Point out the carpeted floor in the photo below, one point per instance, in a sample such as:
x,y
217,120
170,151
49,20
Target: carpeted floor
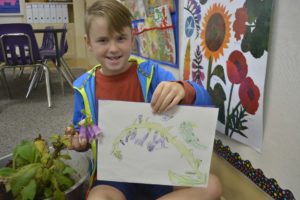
x,y
22,118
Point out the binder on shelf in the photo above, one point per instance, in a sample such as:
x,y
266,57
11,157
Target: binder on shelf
x,y
41,13
47,13
29,18
53,18
35,13
59,13
65,13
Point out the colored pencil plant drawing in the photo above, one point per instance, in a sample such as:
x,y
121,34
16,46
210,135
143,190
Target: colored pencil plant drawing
x,y
135,139
225,50
159,137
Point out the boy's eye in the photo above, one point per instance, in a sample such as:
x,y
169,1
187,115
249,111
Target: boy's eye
x,y
102,40
121,38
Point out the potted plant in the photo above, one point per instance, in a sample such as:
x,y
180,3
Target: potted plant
x,y
34,171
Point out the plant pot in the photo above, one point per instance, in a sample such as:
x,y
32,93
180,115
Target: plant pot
x,y
80,162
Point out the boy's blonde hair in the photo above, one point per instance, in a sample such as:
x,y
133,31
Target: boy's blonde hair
x,y
117,15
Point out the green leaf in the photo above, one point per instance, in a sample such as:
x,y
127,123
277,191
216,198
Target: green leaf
x,y
7,171
257,45
54,137
58,195
254,7
22,177
69,170
64,182
59,165
29,191
246,42
46,175
24,153
219,72
66,142
48,192
65,156
218,95
241,133
221,115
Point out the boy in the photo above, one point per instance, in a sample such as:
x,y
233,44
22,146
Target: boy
x,y
122,77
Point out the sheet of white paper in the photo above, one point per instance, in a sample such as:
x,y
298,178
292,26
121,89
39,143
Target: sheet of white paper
x,y
173,148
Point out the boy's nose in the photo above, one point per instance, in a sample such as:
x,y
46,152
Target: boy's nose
x,y
113,46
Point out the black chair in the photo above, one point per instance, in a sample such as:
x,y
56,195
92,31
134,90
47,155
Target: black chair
x,y
19,48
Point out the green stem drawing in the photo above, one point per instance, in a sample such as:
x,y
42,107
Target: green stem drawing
x,y
184,151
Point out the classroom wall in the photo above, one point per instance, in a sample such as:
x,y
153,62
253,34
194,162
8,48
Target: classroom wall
x,y
279,158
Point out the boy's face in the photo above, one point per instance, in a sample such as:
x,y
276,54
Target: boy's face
x,y
111,50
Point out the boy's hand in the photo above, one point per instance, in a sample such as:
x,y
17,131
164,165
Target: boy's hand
x,y
76,143
166,96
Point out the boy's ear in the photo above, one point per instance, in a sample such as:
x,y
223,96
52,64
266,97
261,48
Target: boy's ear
x,y
87,42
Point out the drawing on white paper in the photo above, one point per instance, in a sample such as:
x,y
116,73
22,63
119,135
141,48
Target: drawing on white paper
x,y
156,138
173,148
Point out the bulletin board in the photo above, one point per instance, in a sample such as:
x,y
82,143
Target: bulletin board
x,y
11,8
155,26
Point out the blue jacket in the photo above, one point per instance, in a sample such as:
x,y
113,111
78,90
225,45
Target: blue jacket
x,y
150,74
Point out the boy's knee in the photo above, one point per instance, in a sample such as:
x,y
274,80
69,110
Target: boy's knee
x,y
105,192
214,187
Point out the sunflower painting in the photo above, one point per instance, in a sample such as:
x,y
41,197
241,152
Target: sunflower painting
x,y
225,49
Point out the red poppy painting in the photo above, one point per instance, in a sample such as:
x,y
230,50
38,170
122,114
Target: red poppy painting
x,y
249,95
225,49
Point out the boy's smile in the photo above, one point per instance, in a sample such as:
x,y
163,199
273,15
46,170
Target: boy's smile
x,y
111,50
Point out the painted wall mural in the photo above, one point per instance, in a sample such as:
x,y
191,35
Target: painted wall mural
x,y
225,49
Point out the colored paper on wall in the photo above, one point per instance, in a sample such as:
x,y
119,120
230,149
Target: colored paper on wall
x,y
225,49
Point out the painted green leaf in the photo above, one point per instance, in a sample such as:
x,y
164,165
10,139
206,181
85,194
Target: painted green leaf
x,y
219,72
218,97
218,94
256,37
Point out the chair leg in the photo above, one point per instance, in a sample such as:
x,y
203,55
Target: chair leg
x,y
40,73
48,89
67,68
65,75
4,81
32,82
31,74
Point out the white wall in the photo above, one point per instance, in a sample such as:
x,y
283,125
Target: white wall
x,y
280,157
11,19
